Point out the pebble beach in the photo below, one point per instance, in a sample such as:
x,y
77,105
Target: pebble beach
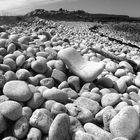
x,y
54,87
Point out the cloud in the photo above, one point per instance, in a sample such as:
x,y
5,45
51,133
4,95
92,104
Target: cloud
x,y
21,6
11,4
8,4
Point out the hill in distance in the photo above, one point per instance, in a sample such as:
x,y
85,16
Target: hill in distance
x,y
78,15
65,15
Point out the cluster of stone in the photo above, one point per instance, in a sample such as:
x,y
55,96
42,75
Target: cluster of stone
x,y
52,87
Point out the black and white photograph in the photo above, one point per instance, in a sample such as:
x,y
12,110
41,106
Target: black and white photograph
x,y
69,69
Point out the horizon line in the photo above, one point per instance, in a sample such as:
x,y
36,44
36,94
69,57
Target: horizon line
x,y
10,13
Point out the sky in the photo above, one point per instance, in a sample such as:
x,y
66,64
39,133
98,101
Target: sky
x,y
121,7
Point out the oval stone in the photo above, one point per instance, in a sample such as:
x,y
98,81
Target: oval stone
x,y
87,103
111,66
56,95
110,99
17,90
11,110
20,128
41,119
125,123
59,129
97,132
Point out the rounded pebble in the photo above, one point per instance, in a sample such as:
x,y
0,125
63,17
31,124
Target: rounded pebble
x,y
17,90
110,99
87,103
125,123
39,66
41,119
55,94
20,128
59,129
111,66
11,110
97,131
34,133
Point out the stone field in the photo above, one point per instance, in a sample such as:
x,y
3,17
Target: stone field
x,y
54,87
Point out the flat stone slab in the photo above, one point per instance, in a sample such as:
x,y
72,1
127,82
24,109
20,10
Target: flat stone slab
x,y
86,70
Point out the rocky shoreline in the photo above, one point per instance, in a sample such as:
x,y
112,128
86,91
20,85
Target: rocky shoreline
x,y
53,87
